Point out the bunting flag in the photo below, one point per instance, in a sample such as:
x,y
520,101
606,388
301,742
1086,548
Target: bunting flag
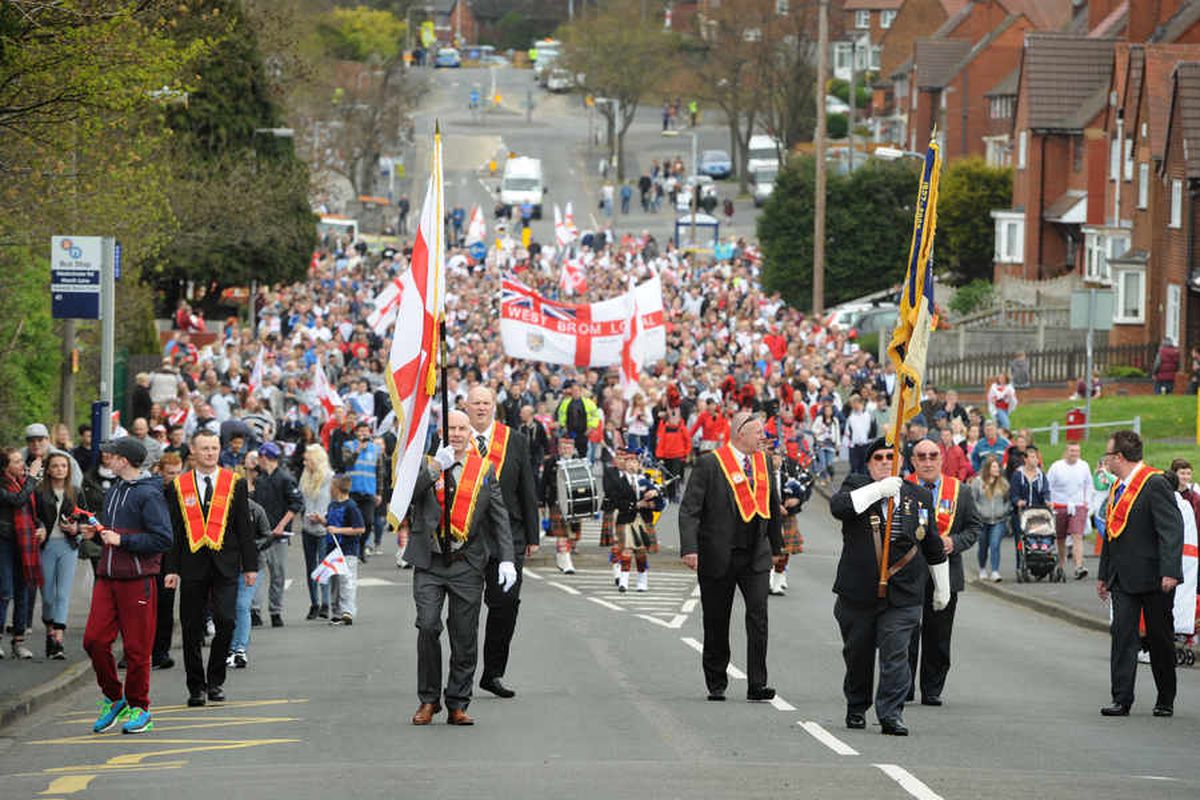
x,y
256,376
572,279
325,394
412,362
476,227
916,320
631,346
384,308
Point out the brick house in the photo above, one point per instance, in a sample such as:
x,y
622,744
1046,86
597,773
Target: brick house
x,y
916,19
1178,189
860,48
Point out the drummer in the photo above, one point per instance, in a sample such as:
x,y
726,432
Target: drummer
x,y
634,498
566,533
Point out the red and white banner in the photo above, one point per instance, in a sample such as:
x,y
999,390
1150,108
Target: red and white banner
x,y
256,375
569,223
476,227
412,362
384,308
590,334
325,394
631,346
572,279
563,231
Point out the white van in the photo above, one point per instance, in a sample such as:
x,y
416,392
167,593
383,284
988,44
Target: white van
x,y
762,153
522,183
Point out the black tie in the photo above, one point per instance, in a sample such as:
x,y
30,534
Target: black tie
x,y
482,443
207,493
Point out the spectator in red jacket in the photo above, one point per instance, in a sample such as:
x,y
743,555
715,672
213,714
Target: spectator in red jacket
x,y
713,427
1166,364
673,445
954,458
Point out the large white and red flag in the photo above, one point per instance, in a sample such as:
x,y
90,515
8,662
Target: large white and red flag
x,y
384,308
476,227
563,233
572,279
631,346
256,375
324,393
412,363
588,334
569,222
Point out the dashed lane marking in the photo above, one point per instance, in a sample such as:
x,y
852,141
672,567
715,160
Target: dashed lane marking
x,y
675,624
370,582
781,705
909,782
530,573
564,587
601,602
828,739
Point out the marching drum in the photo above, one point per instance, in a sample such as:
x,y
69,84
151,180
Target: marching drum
x,y
577,494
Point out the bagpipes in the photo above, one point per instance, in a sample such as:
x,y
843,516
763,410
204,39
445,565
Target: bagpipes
x,y
797,484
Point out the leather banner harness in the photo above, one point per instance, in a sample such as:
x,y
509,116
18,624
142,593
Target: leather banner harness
x,y
750,502
205,530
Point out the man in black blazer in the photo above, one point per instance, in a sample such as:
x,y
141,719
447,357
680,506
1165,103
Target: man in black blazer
x,y
733,544
515,472
1141,563
206,558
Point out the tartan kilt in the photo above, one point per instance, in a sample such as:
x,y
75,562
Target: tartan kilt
x,y
607,526
646,538
560,528
793,542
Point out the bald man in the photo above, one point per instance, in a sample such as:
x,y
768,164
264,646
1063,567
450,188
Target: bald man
x,y
508,453
730,532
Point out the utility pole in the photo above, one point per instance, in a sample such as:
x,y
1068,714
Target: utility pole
x,y
853,102
818,289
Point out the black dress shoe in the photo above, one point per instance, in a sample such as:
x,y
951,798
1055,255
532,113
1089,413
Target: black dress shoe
x,y
716,695
1164,711
760,693
497,688
1115,710
216,694
312,613
196,699
165,662
855,721
931,700
894,727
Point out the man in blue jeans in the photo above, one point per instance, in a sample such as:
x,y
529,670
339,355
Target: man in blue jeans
x,y
260,525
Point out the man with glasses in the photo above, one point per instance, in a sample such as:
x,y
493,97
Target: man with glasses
x,y
869,622
1141,563
958,527
730,532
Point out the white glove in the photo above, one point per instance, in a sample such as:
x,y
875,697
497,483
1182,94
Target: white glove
x,y
866,496
507,575
941,584
444,457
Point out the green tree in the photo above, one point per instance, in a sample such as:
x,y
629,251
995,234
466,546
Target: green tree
x,y
868,230
969,190
357,34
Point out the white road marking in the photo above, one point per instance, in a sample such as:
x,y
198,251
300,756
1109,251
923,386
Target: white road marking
x,y
287,584
692,643
735,673
368,582
696,592
530,573
689,606
909,782
606,604
564,587
826,738
1156,778
781,705
675,624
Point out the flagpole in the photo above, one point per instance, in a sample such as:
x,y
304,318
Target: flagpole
x,y
443,355
887,531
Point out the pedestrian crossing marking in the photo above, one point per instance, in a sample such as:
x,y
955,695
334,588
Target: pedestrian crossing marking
x,y
606,604
371,582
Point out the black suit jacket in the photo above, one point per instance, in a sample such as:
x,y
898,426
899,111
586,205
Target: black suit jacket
x,y
1151,546
964,533
708,517
237,554
857,579
519,490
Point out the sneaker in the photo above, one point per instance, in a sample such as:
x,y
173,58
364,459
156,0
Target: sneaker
x,y
1081,573
229,660
111,712
239,659
20,650
3,655
1143,656
60,652
996,577
400,562
368,550
137,721
347,619
774,586
983,574
323,611
336,621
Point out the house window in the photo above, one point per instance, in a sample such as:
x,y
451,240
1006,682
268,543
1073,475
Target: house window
x,y
1174,302
1131,300
862,19
1022,145
1143,197
886,18
1010,237
843,57
1099,249
782,8
1001,107
1129,159
998,150
876,57
1176,203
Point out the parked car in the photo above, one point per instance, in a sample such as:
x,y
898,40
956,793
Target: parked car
x,y
707,198
715,164
447,57
763,184
835,105
877,319
560,80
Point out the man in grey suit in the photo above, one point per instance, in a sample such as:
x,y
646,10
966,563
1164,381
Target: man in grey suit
x,y
452,563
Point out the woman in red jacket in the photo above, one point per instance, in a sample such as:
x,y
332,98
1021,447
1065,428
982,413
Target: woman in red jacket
x,y
673,444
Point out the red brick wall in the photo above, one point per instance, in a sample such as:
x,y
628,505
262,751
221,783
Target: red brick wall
x,y
987,70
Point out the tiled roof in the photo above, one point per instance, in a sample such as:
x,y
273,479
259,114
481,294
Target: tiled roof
x,y
1185,110
1112,25
1007,86
871,5
951,24
1061,209
1176,26
1046,15
936,60
952,7
902,70
1062,77
1160,61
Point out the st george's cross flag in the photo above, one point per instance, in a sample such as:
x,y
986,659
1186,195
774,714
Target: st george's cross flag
x,y
917,317
476,227
631,346
334,563
569,222
412,362
325,394
572,279
384,308
257,374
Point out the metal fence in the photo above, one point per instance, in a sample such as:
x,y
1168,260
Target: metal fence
x,y
1054,428
1045,366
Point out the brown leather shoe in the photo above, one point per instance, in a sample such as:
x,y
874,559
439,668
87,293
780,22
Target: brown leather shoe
x,y
459,717
425,713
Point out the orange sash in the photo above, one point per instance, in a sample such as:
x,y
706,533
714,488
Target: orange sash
x,y
1117,514
474,473
748,502
497,447
945,504
205,531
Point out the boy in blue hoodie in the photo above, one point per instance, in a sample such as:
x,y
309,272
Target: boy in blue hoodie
x,y
135,530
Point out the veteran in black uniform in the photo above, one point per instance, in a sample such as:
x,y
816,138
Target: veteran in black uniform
x,y
868,622
1141,563
958,525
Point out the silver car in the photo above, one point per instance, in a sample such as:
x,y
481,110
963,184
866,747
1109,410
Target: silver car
x,y
764,184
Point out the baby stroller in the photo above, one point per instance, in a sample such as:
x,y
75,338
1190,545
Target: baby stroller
x,y
1037,551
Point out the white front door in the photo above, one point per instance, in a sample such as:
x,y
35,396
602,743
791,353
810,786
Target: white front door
x,y
1174,301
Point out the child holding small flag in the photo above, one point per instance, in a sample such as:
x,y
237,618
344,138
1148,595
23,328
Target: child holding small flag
x,y
344,523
